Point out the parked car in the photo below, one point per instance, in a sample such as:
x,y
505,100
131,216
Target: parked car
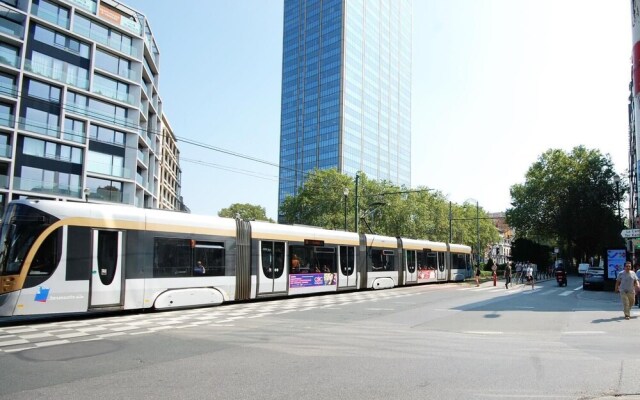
x,y
593,278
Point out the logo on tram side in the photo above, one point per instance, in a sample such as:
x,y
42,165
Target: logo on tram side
x,y
42,295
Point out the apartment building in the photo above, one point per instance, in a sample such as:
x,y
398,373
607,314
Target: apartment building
x,y
81,117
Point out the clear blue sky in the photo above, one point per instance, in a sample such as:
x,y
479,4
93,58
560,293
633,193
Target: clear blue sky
x,y
495,84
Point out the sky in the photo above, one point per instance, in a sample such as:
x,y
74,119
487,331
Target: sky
x,y
495,84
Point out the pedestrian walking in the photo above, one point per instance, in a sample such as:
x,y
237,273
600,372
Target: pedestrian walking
x,y
626,284
507,275
530,278
477,275
518,272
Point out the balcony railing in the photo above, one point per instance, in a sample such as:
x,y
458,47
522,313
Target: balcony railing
x,y
7,120
87,112
8,89
5,150
105,40
4,182
89,5
47,15
108,169
38,127
75,136
9,27
112,196
54,188
57,74
8,58
111,93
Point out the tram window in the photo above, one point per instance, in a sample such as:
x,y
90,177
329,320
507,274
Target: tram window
x,y
272,254
172,257
298,260
211,255
325,260
347,260
458,261
46,259
431,260
107,256
382,260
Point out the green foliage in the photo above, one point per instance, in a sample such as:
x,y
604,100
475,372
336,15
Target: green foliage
x,y
569,199
245,211
385,209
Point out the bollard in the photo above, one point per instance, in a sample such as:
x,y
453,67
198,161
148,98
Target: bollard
x,y
495,279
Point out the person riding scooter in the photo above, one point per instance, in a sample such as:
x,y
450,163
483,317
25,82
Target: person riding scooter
x,y
561,276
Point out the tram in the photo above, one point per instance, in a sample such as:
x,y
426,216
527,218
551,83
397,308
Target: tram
x,y
63,257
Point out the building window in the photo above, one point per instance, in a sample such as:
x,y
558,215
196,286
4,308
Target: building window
x,y
113,64
102,134
74,130
104,189
107,164
56,39
111,88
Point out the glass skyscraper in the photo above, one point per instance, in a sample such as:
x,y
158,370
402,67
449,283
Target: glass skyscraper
x,y
346,90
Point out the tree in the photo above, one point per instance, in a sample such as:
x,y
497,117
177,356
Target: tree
x,y
245,211
384,209
569,199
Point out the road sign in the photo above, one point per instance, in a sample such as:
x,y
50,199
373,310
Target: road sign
x,y
630,233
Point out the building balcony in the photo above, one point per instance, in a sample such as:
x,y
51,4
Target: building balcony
x,y
8,58
9,90
75,136
113,94
51,188
48,16
5,151
38,127
7,120
109,194
108,169
56,74
9,27
105,40
126,123
89,5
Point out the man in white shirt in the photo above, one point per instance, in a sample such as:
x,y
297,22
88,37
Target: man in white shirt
x,y
530,275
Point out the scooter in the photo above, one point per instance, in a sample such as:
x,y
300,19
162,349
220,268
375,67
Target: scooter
x,y
561,277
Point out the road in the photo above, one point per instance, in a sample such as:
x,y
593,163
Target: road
x,y
447,341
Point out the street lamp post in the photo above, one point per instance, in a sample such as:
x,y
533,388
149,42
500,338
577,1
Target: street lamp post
x,y
478,230
346,193
616,179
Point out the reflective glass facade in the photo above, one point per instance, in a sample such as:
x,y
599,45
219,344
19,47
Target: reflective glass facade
x,y
346,90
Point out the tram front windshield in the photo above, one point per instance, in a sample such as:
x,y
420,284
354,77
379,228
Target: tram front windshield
x,y
21,225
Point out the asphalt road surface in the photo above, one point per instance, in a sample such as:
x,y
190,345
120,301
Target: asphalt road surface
x,y
452,341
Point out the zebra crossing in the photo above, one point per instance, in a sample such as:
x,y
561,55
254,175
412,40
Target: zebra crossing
x,y
16,338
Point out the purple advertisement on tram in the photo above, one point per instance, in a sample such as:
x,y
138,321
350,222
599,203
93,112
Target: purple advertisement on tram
x,y
309,280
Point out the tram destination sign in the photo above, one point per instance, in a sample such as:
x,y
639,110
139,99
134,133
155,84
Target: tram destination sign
x,y
630,233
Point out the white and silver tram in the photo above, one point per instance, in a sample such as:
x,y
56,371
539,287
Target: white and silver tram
x,y
62,257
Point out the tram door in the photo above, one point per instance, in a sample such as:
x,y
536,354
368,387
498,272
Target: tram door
x,y
442,268
106,269
410,260
272,277
347,276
